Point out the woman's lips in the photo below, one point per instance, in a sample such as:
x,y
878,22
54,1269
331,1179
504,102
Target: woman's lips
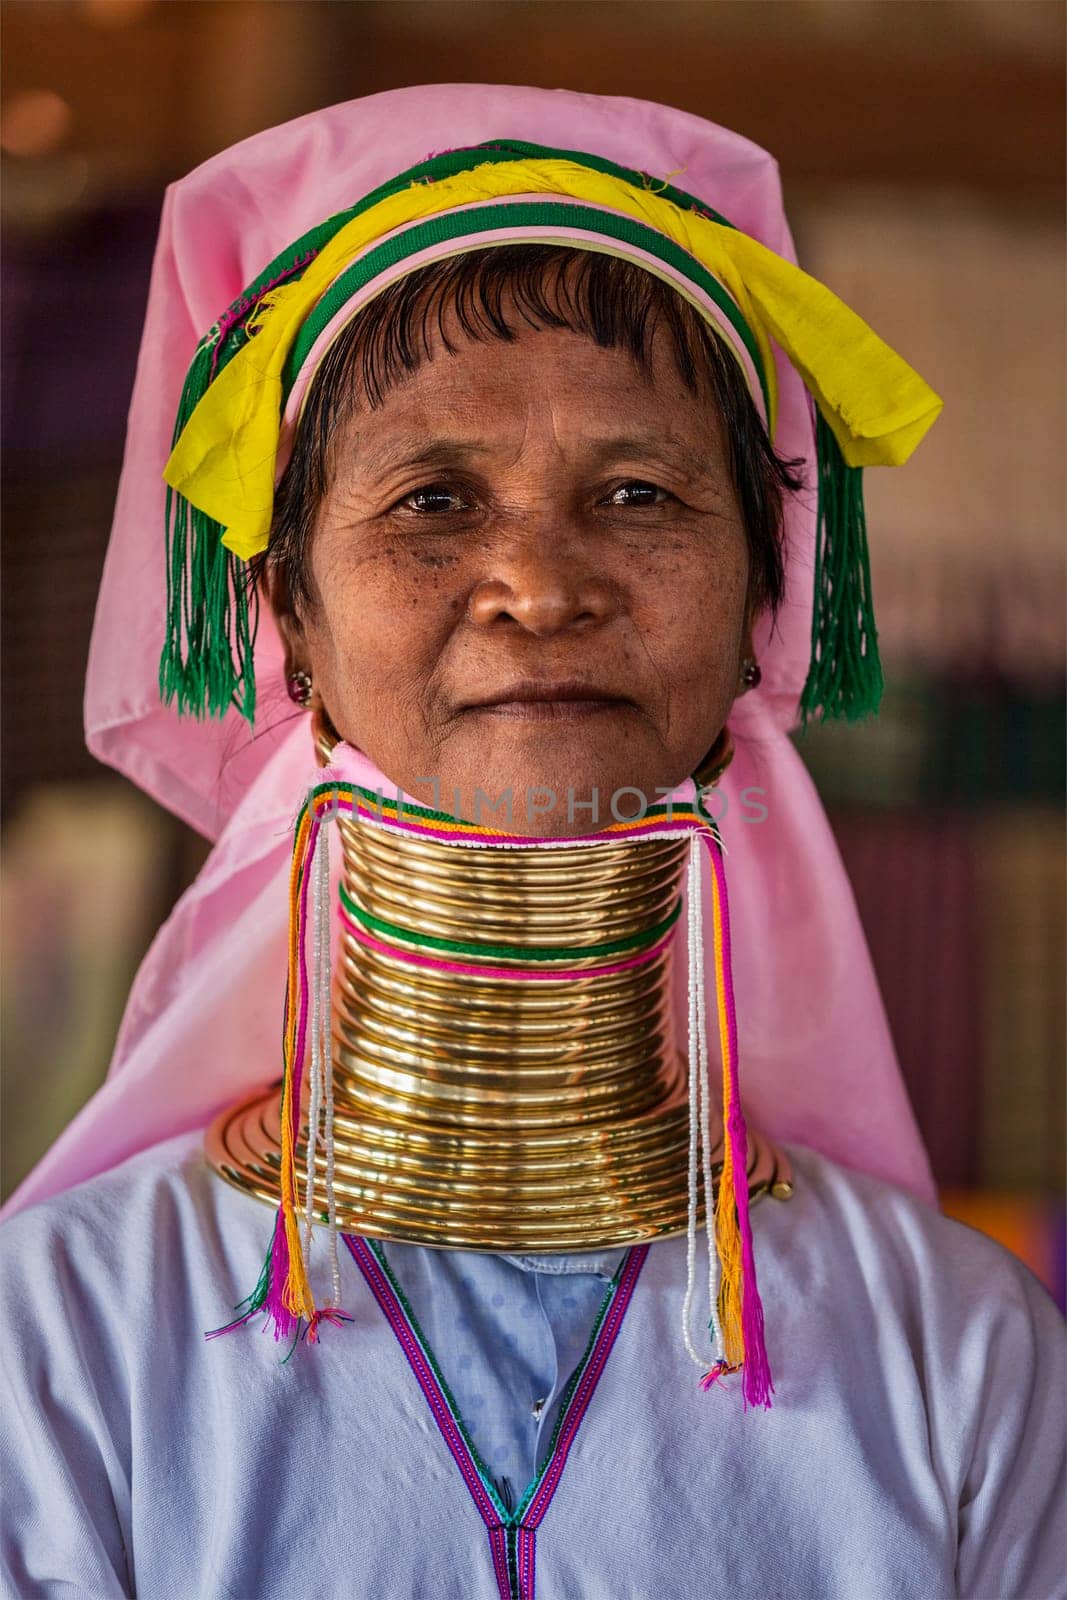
x,y
550,702
548,710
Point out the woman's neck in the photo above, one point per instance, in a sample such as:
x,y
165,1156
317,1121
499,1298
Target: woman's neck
x,y
504,1017
505,1071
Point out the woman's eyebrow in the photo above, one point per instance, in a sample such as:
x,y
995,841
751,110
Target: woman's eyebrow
x,y
427,453
442,451
664,447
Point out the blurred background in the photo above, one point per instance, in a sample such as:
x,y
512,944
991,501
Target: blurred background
x,y
922,151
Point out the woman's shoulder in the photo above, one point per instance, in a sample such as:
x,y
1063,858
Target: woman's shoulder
x,y
166,1172
941,1351
120,1231
912,1261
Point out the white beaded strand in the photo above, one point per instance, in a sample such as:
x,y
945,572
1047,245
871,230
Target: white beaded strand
x,y
699,1117
694,958
326,1053
315,1100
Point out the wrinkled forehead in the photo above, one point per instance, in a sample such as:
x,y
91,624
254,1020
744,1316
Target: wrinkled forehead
x,y
489,345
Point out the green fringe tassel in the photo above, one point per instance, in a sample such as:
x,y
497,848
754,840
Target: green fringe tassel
x,y
207,664
845,676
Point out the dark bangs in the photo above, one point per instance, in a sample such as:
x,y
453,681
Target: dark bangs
x,y
610,301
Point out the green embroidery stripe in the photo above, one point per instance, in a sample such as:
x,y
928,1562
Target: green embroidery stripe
x,y
508,952
521,214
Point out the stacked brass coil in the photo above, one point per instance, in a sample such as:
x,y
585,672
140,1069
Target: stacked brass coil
x,y
485,1112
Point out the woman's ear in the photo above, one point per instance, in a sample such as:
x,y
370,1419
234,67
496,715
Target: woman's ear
x,y
752,614
749,674
274,587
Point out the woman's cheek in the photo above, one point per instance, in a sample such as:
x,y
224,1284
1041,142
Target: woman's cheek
x,y
695,609
705,641
363,607
391,637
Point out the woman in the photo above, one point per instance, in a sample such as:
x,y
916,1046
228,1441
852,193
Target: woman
x,y
514,439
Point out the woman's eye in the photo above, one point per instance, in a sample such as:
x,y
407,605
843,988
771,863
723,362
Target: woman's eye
x,y
639,487
433,499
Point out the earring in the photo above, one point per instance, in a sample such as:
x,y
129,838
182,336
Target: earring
x,y
751,675
299,687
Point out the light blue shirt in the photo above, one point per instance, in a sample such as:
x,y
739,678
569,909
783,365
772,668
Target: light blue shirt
x,y
508,1332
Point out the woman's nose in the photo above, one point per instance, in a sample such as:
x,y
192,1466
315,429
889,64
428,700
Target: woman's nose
x,y
544,584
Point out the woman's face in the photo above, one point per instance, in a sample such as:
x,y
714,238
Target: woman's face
x,y
529,576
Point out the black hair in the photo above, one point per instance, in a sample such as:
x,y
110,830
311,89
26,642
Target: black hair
x,y
610,300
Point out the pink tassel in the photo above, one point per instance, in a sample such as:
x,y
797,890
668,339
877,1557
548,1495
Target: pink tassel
x,y
331,1314
721,1369
285,1321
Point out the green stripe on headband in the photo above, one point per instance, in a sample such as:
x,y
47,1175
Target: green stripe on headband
x,y
509,149
227,336
518,214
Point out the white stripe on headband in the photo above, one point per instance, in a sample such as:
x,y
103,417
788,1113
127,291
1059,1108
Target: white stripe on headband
x,y
586,238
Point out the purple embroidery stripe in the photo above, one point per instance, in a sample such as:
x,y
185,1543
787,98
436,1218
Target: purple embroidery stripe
x,y
526,1531
383,1292
586,1388
526,1550
498,1543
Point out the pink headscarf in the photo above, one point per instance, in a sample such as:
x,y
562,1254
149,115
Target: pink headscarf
x,y
818,1064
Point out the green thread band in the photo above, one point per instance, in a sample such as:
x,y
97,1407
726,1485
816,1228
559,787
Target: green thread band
x,y
508,952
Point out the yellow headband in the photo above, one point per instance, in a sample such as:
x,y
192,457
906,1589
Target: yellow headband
x,y
878,408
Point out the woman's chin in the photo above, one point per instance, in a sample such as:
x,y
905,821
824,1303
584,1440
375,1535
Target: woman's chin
x,y
552,779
